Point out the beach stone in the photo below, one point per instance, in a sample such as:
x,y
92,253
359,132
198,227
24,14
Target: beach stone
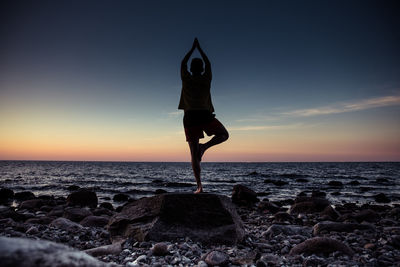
x,y
33,230
317,193
314,261
206,218
160,249
283,217
366,215
308,205
267,206
6,194
216,258
243,195
395,241
341,227
382,198
275,182
286,230
269,260
40,253
321,245
8,212
24,195
40,220
114,249
82,197
121,197
107,205
330,212
369,246
355,182
100,211
73,188
31,204
160,191
65,224
335,184
57,211
76,214
96,221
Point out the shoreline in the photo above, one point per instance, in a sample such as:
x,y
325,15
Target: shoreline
x,y
272,232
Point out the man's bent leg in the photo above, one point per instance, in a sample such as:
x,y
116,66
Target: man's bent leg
x,y
194,151
220,136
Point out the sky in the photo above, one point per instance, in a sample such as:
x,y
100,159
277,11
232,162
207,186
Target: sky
x,y
292,80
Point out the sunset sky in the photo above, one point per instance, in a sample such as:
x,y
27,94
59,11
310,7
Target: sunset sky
x,y
292,80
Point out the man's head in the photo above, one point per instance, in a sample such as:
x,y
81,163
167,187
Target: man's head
x,y
196,67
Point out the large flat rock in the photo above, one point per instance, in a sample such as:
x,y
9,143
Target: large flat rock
x,y
207,218
23,252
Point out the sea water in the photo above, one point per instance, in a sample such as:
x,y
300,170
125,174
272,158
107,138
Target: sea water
x,y
139,179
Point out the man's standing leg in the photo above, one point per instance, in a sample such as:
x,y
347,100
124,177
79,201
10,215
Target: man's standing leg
x,y
195,155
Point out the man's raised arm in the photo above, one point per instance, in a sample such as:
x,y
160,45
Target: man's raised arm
x,y
207,67
185,60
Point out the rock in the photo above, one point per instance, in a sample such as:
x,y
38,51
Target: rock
x,y
76,214
6,194
31,204
40,220
25,195
275,182
202,264
369,246
160,191
382,198
82,198
355,182
321,245
308,205
73,188
95,221
268,206
243,195
8,212
395,241
114,249
317,193
207,218
335,184
65,224
341,227
367,215
314,261
34,253
269,260
33,230
330,212
107,205
160,249
215,258
283,217
277,229
121,197
382,181
57,211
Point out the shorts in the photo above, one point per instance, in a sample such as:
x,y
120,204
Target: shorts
x,y
196,122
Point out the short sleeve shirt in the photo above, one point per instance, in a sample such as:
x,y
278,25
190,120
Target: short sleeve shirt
x,y
196,93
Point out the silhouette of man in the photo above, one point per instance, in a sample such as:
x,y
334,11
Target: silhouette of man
x,y
198,108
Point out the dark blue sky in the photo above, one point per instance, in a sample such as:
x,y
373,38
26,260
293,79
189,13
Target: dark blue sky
x,y
112,59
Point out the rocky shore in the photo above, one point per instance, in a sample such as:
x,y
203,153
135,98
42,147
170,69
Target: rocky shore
x,y
306,230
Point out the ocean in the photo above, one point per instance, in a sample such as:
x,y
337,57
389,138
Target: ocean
x,y
355,182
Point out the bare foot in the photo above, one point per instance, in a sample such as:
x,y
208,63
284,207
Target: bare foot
x,y
199,190
202,149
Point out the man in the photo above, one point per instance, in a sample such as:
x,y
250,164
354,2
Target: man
x,y
197,105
